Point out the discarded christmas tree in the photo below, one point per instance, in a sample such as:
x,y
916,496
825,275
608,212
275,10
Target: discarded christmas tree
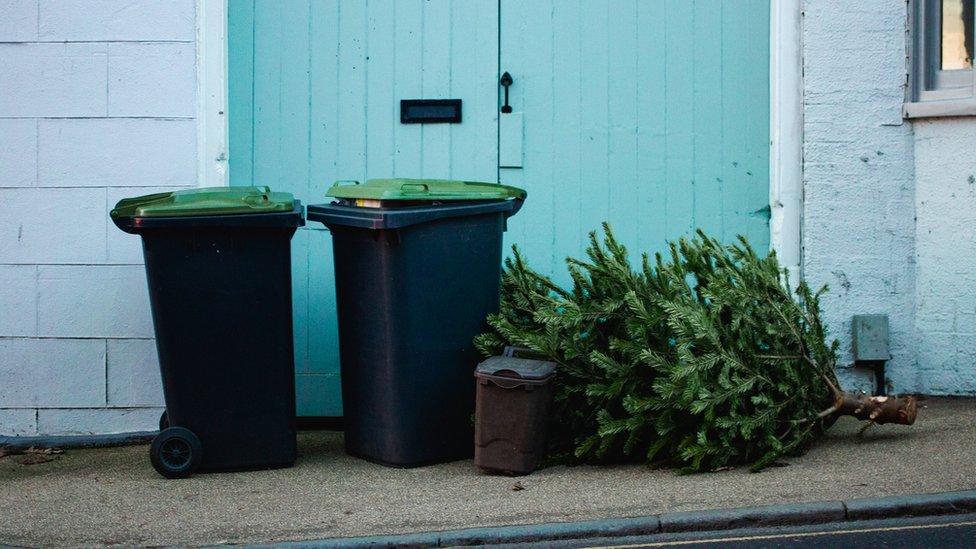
x,y
701,360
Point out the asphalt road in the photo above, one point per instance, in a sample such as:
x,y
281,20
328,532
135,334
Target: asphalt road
x,y
943,532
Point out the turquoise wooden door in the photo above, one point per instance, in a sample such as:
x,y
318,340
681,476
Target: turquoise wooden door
x,y
651,114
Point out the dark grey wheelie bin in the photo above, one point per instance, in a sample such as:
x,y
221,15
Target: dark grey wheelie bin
x,y
218,262
417,268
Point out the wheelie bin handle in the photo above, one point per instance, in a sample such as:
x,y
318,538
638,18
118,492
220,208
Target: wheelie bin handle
x,y
517,203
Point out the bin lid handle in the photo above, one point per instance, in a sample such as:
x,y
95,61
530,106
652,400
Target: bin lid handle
x,y
414,188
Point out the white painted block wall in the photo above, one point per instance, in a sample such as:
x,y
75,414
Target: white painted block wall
x,y
945,304
889,204
97,102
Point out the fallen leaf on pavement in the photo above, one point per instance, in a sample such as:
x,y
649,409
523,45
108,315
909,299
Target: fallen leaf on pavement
x,y
35,459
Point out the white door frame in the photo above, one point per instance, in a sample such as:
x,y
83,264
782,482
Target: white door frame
x,y
785,121
211,35
786,134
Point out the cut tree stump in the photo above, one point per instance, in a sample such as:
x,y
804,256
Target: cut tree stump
x,y
877,409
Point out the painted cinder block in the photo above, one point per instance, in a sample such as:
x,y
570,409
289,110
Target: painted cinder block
x,y
18,423
52,372
116,153
18,22
97,421
18,152
133,373
53,80
93,301
110,20
18,300
52,225
151,80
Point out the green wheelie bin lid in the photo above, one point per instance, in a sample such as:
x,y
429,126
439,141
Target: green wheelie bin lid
x,y
205,201
422,190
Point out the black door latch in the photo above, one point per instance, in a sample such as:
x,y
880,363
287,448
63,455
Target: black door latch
x,y
506,81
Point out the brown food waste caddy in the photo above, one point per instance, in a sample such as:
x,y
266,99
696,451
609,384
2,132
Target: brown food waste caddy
x,y
512,413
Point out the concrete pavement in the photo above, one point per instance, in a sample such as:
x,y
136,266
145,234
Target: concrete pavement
x,y
112,496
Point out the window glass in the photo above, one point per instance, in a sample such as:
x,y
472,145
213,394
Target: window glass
x,y
957,34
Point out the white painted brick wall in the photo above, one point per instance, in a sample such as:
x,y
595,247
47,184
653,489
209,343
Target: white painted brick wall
x,y
116,152
53,79
859,187
93,301
19,21
18,423
97,103
18,294
18,155
52,372
133,373
97,421
134,87
52,225
116,20
945,170
868,175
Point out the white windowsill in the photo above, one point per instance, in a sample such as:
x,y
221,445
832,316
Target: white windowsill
x,y
937,109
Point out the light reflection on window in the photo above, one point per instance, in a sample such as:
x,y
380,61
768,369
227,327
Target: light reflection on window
x,y
957,34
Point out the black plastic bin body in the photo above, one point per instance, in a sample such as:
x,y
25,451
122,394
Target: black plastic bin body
x,y
220,292
414,285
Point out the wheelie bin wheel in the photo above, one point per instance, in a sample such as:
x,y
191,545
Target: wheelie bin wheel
x,y
175,452
163,421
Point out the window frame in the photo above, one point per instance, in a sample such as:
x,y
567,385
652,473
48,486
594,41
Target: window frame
x,y
957,95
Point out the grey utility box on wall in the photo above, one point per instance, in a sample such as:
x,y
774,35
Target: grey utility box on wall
x,y
870,338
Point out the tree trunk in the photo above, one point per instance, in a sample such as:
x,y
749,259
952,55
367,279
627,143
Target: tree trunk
x,y
878,409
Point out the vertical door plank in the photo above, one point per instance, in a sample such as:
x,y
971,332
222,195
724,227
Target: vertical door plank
x,y
436,84
408,84
267,93
533,82
707,118
350,93
623,181
323,333
240,90
292,170
651,126
568,96
734,118
323,58
745,111
323,155
511,39
758,124
594,113
383,113
474,73
679,102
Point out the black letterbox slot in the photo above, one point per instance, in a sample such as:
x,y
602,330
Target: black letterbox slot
x,y
430,111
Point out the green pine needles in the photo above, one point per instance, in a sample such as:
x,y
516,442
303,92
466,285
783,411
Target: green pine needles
x,y
700,360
